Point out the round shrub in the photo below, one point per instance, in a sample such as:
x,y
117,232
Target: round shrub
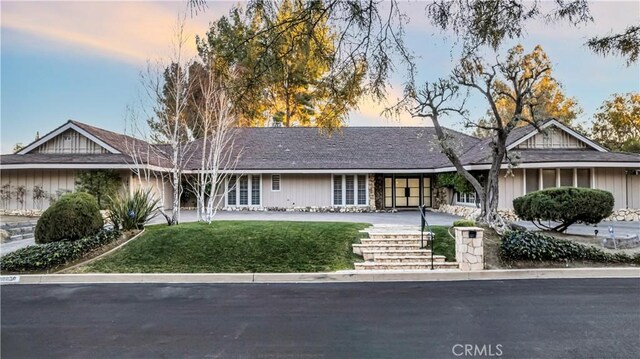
x,y
73,216
566,205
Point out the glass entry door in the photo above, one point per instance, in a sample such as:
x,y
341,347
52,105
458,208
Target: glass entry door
x,y
407,192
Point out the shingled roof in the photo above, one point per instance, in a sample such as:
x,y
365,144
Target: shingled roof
x,y
401,148
308,149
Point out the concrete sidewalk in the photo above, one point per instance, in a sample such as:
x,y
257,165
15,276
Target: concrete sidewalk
x,y
341,276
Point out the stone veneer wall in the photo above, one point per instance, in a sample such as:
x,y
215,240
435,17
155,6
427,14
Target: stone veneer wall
x,y
440,197
469,251
620,215
378,189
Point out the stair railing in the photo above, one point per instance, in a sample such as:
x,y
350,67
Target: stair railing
x,y
424,223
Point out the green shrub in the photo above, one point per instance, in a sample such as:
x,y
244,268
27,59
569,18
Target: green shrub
x,y
101,184
532,246
133,211
566,205
51,255
73,216
464,223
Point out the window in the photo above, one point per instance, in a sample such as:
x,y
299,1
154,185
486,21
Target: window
x,y
243,186
244,190
532,180
362,190
255,190
548,178
388,192
426,191
231,191
275,183
467,198
337,190
349,190
566,177
584,177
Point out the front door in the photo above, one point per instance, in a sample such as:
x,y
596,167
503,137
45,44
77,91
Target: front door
x,y
407,192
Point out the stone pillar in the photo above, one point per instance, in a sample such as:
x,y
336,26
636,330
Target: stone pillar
x,y
469,251
372,192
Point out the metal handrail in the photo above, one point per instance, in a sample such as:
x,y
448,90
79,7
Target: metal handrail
x,y
423,222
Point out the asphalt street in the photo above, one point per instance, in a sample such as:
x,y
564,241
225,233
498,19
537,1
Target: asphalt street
x,y
573,318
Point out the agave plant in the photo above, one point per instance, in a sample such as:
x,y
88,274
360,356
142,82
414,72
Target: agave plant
x,y
132,211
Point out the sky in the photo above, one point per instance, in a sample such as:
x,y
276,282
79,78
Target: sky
x,y
82,60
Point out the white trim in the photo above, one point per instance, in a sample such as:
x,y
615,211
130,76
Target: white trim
x,y
558,124
575,177
61,129
279,182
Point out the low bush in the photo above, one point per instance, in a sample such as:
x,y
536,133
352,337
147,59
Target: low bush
x,y
73,216
132,211
537,247
464,223
566,205
51,255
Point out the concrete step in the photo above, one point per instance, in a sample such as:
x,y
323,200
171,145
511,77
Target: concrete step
x,y
405,235
358,248
17,237
20,230
410,259
404,266
375,242
372,254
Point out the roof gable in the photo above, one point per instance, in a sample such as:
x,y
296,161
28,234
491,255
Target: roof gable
x,y
522,135
69,138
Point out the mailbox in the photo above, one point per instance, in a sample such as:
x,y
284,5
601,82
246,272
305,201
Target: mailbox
x,y
472,234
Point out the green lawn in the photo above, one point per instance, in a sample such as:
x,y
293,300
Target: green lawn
x,y
444,244
237,246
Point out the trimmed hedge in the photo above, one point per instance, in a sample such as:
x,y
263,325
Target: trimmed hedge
x,y
51,255
464,223
73,216
566,205
537,247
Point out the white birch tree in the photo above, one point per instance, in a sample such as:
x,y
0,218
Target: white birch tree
x,y
216,148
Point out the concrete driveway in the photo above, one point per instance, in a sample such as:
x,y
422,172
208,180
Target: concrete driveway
x,y
403,218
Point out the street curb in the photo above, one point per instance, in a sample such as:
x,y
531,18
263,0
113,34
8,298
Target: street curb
x,y
343,276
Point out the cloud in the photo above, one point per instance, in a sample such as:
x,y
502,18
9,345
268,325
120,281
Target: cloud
x,y
127,31
369,113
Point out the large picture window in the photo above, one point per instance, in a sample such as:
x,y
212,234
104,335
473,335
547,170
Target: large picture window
x,y
244,190
349,190
537,179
